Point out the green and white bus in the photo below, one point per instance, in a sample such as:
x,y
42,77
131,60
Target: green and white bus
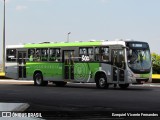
x,y
101,62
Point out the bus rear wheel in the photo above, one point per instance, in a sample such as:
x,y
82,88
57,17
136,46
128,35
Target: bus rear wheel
x,y
38,80
123,86
101,82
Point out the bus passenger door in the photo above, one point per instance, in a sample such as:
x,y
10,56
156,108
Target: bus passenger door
x,y
22,56
114,65
121,66
68,64
118,65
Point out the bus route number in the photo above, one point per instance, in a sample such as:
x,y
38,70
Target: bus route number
x,y
85,58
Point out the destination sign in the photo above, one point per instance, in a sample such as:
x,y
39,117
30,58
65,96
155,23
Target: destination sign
x,y
138,45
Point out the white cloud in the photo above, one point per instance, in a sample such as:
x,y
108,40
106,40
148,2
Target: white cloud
x,y
21,7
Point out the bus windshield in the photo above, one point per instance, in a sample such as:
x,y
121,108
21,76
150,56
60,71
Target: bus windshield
x,y
139,60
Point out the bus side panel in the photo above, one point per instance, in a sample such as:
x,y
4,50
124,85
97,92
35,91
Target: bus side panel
x,y
107,68
83,72
50,71
94,67
11,70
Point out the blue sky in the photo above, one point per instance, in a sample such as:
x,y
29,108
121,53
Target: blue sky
x,y
34,21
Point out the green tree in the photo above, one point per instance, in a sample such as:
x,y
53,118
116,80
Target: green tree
x,y
155,63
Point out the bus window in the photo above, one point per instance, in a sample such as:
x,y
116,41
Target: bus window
x,y
31,53
83,51
38,55
121,58
102,54
82,54
86,54
105,54
54,54
97,54
11,55
91,54
115,57
44,54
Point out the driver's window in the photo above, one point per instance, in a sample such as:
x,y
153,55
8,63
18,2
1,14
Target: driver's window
x,y
132,56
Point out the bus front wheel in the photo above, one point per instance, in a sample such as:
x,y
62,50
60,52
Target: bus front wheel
x,y
38,80
101,82
123,86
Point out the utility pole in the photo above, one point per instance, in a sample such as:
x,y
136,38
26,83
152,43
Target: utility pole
x,y
68,36
4,39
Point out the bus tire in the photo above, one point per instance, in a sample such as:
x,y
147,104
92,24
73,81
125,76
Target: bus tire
x,y
101,82
123,86
60,84
38,80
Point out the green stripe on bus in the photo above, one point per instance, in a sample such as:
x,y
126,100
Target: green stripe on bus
x,y
62,44
145,75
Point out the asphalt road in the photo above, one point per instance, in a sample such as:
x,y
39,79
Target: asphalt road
x,y
81,97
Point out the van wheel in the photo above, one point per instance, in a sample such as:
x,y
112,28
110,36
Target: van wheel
x,y
38,80
101,82
123,86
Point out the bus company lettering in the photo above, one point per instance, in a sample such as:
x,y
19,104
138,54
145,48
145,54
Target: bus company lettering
x,y
41,66
85,58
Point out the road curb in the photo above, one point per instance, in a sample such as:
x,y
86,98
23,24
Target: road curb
x,y
15,107
22,107
11,80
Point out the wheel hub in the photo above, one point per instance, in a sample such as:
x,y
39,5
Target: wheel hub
x,y
38,80
102,82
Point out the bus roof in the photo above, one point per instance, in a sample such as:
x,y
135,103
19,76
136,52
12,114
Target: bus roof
x,y
76,44
70,44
